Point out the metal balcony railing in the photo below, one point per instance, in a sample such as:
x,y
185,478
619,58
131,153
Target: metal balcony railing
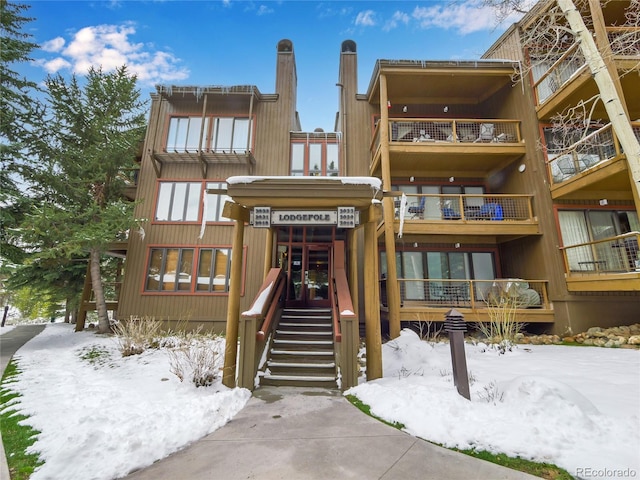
x,y
618,254
465,207
474,294
595,148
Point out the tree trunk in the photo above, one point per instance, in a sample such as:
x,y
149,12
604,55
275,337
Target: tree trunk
x,y
608,93
98,291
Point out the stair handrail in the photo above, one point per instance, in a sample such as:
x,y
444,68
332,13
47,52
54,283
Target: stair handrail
x,y
341,304
267,301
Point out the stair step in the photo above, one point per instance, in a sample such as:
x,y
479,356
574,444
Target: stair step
x,y
301,332
303,342
299,324
301,365
321,353
301,378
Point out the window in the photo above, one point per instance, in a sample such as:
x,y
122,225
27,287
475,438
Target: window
x,y
217,134
184,134
315,159
586,226
170,270
230,134
178,202
215,202
435,265
182,202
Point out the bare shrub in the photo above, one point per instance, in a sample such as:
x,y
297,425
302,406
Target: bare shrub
x,y
197,360
503,325
137,334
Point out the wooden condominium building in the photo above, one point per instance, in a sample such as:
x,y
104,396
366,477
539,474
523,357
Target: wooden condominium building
x,y
441,188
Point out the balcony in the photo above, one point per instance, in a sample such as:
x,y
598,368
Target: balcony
x,y
591,166
445,147
129,177
430,299
503,217
611,264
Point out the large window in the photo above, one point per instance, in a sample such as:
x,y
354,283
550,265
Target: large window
x,y
315,159
436,265
182,202
184,134
171,270
216,134
586,226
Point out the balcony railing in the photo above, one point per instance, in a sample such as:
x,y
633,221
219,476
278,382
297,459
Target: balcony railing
x,y
559,71
449,131
454,131
612,255
624,41
465,207
592,150
475,294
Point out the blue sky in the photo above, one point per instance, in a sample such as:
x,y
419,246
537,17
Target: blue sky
x,y
234,42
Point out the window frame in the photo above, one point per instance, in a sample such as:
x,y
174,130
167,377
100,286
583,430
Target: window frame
x,y
211,133
196,252
308,164
197,220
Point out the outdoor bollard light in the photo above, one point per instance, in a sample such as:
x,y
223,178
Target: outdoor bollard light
x,y
454,324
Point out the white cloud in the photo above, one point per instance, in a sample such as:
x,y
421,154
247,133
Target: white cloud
x,y
264,10
464,17
109,47
366,18
52,66
53,45
398,17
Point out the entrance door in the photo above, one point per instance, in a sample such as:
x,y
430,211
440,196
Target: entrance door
x,y
310,273
316,276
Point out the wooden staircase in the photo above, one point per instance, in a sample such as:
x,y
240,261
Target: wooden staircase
x,y
302,350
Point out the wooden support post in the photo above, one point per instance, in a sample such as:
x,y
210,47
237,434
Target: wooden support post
x,y
393,292
373,336
268,253
235,285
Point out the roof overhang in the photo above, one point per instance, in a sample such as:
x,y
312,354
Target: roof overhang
x,y
304,192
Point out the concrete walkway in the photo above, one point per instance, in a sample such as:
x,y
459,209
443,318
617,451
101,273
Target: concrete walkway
x,y
10,342
304,433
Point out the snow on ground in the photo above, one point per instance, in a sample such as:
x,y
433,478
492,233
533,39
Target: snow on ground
x,y
576,407
101,419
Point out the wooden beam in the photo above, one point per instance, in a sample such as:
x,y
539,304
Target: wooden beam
x,y
373,336
235,212
233,307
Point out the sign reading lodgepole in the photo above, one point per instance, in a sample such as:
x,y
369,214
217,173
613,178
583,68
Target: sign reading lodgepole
x,y
342,217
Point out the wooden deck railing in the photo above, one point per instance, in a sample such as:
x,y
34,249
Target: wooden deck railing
x,y
618,254
560,70
590,151
465,207
448,131
474,294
